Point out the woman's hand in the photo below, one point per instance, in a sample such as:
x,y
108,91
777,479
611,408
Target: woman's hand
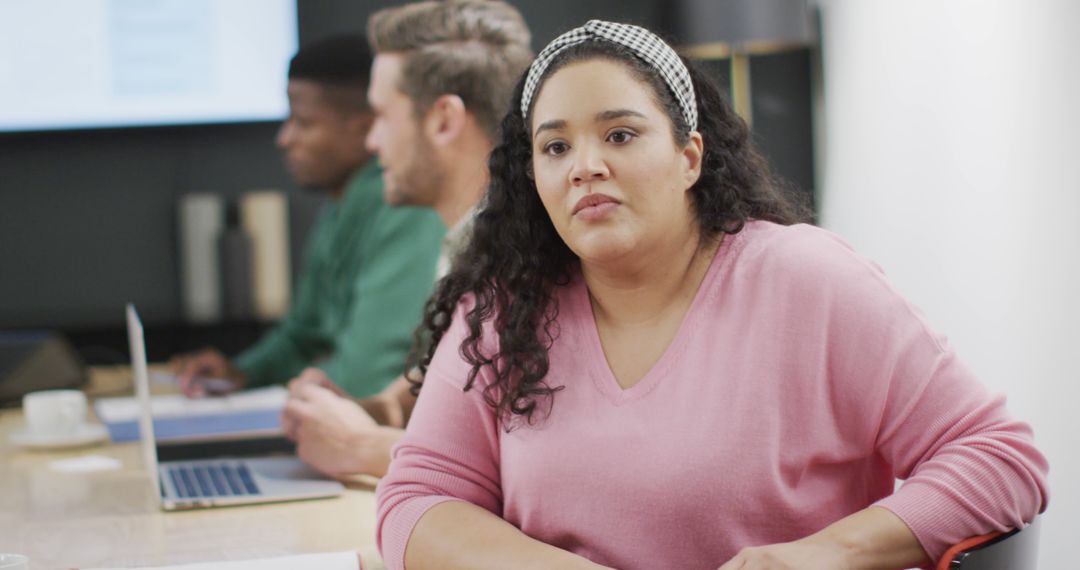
x,y
873,538
805,554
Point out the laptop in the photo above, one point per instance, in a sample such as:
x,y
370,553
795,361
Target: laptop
x,y
214,480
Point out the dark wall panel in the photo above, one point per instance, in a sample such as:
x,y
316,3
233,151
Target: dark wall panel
x,y
782,115
87,219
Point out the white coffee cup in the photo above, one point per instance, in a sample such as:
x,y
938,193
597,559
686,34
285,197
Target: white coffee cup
x,y
14,562
54,413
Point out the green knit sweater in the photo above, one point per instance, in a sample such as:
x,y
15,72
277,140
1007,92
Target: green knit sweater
x,y
369,269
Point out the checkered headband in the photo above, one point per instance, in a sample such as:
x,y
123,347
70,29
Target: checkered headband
x,y
642,42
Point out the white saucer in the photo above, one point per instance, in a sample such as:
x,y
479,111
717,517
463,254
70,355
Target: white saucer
x,y
86,434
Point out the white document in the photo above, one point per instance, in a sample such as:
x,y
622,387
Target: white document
x,y
122,409
326,561
85,464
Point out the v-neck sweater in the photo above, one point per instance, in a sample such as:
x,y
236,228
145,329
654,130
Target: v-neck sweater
x,y
798,387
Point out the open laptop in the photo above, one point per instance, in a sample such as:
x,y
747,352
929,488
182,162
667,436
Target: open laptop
x,y
215,481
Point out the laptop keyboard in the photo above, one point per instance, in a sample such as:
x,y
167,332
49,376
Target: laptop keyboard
x,y
212,480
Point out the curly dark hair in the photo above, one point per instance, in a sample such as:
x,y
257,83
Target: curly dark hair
x,y
515,260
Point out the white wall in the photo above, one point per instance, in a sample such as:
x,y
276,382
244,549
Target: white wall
x,y
949,152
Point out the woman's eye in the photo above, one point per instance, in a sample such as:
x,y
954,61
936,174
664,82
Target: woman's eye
x,y
621,137
555,148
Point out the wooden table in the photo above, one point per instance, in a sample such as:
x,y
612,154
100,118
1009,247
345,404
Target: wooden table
x,y
110,518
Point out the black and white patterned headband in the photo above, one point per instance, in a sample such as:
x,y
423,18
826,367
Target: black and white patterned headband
x,y
642,42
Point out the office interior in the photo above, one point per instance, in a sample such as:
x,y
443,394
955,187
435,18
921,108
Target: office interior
x,y
939,139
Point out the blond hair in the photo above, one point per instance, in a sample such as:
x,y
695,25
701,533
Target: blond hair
x,y
475,49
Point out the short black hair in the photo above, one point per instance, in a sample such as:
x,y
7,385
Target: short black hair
x,y
340,61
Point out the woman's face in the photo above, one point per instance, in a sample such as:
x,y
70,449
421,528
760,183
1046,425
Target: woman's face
x,y
606,165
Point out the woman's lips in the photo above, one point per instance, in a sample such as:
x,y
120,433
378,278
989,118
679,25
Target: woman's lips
x,y
594,206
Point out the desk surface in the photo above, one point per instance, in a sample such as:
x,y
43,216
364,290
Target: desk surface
x,y
64,520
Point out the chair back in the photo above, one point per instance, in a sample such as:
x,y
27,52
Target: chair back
x,y
1014,550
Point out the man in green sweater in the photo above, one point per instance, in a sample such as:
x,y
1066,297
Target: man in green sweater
x,y
441,82
369,266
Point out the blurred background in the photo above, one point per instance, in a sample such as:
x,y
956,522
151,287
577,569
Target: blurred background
x,y
939,138
90,215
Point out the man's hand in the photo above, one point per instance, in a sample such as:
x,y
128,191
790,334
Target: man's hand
x,y
315,377
204,372
335,435
385,407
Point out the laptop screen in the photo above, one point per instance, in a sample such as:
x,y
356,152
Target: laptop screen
x,y
142,393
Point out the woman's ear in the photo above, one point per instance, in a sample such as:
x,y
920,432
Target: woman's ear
x,y
445,120
693,153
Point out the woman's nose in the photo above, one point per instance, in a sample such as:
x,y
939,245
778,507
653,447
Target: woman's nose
x,y
589,166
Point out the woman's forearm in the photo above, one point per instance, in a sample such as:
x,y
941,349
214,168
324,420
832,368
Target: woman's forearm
x,y
457,534
874,538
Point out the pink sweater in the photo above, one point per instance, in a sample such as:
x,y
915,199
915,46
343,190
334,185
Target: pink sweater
x,y
798,387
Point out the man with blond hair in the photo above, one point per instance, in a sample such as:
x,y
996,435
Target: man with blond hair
x,y
368,267
441,82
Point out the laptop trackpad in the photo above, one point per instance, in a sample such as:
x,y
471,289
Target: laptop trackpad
x,y
289,477
282,468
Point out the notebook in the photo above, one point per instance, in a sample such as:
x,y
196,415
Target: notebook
x,y
248,413
214,480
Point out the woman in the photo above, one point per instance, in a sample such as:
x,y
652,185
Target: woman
x,y
642,363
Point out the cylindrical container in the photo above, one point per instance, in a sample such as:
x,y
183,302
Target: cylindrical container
x,y
265,217
234,251
201,217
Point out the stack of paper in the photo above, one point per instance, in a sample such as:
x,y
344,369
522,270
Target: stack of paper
x,y
328,561
176,416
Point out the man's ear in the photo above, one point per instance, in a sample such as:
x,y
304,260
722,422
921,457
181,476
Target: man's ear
x,y
445,120
693,153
